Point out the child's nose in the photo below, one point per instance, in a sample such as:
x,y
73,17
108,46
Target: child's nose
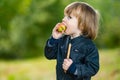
x,y
63,20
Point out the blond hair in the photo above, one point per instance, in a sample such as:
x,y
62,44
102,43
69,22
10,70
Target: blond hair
x,y
88,18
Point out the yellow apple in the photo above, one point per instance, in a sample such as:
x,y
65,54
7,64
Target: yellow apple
x,y
61,28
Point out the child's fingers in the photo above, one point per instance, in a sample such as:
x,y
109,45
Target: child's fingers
x,y
65,67
67,62
56,26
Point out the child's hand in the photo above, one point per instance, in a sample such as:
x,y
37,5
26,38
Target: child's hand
x,y
66,64
55,33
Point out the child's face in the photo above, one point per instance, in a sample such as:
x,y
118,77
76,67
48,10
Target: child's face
x,y
71,23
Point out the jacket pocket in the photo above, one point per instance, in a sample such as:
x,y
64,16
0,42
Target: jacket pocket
x,y
77,55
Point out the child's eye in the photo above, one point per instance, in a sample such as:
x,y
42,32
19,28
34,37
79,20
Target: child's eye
x,y
69,17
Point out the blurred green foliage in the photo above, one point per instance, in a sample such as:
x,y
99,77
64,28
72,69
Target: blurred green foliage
x,y
25,25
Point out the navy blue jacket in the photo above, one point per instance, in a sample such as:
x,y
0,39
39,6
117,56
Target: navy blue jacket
x,y
83,53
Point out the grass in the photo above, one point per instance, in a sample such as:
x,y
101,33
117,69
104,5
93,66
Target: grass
x,y
43,69
109,65
35,69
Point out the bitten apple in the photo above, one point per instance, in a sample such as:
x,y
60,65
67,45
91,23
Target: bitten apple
x,y
61,28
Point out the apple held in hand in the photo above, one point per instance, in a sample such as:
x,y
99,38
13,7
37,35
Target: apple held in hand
x,y
61,28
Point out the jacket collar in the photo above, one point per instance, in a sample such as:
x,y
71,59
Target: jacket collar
x,y
79,38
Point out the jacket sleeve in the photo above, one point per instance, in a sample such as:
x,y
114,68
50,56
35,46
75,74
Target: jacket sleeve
x,y
90,66
50,49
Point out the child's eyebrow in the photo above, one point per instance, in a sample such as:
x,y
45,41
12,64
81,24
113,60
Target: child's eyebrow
x,y
66,14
